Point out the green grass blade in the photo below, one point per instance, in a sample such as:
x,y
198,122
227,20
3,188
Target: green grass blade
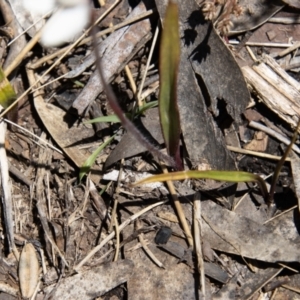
x,y
115,119
91,160
7,93
108,119
227,176
168,73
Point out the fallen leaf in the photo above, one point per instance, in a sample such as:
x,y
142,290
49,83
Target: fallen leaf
x,y
256,12
227,231
93,283
28,271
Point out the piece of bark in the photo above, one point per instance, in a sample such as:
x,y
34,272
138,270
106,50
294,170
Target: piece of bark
x,y
211,270
93,283
65,131
276,89
256,13
121,47
149,126
203,139
227,231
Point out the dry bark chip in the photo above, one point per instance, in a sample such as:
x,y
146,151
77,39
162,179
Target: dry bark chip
x,y
95,282
227,231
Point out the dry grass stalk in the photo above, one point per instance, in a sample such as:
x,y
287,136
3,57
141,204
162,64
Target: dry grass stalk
x,y
112,234
179,210
197,239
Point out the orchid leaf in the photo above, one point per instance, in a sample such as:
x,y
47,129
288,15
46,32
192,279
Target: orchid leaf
x,y
168,73
7,93
228,176
91,160
115,119
7,96
105,119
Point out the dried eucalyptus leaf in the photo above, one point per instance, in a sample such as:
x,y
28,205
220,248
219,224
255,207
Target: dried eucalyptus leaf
x,y
128,146
227,231
95,282
256,12
28,271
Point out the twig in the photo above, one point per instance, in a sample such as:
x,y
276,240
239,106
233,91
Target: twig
x,y
257,44
23,53
274,134
255,153
289,50
146,249
51,56
6,189
13,170
112,234
71,47
148,63
284,20
197,239
179,210
34,135
128,125
114,213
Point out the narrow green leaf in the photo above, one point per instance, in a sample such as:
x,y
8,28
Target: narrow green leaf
x,y
91,160
108,119
7,93
146,106
227,176
115,119
168,73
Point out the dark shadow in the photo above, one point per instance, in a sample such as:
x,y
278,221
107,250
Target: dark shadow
x,y
285,199
224,119
296,217
201,52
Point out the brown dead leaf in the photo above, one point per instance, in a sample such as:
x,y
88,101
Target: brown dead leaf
x,y
28,271
229,232
128,146
256,12
121,47
93,283
259,143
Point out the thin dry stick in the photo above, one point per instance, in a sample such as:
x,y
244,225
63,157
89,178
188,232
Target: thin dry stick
x,y
86,40
112,234
255,153
19,35
257,44
130,78
292,288
23,53
71,47
146,249
284,20
148,63
6,186
289,50
179,209
274,134
284,212
197,239
114,214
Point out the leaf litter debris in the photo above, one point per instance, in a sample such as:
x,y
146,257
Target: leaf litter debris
x,y
67,238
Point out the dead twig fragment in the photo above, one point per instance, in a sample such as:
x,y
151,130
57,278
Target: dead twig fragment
x,y
197,239
6,189
179,210
112,234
